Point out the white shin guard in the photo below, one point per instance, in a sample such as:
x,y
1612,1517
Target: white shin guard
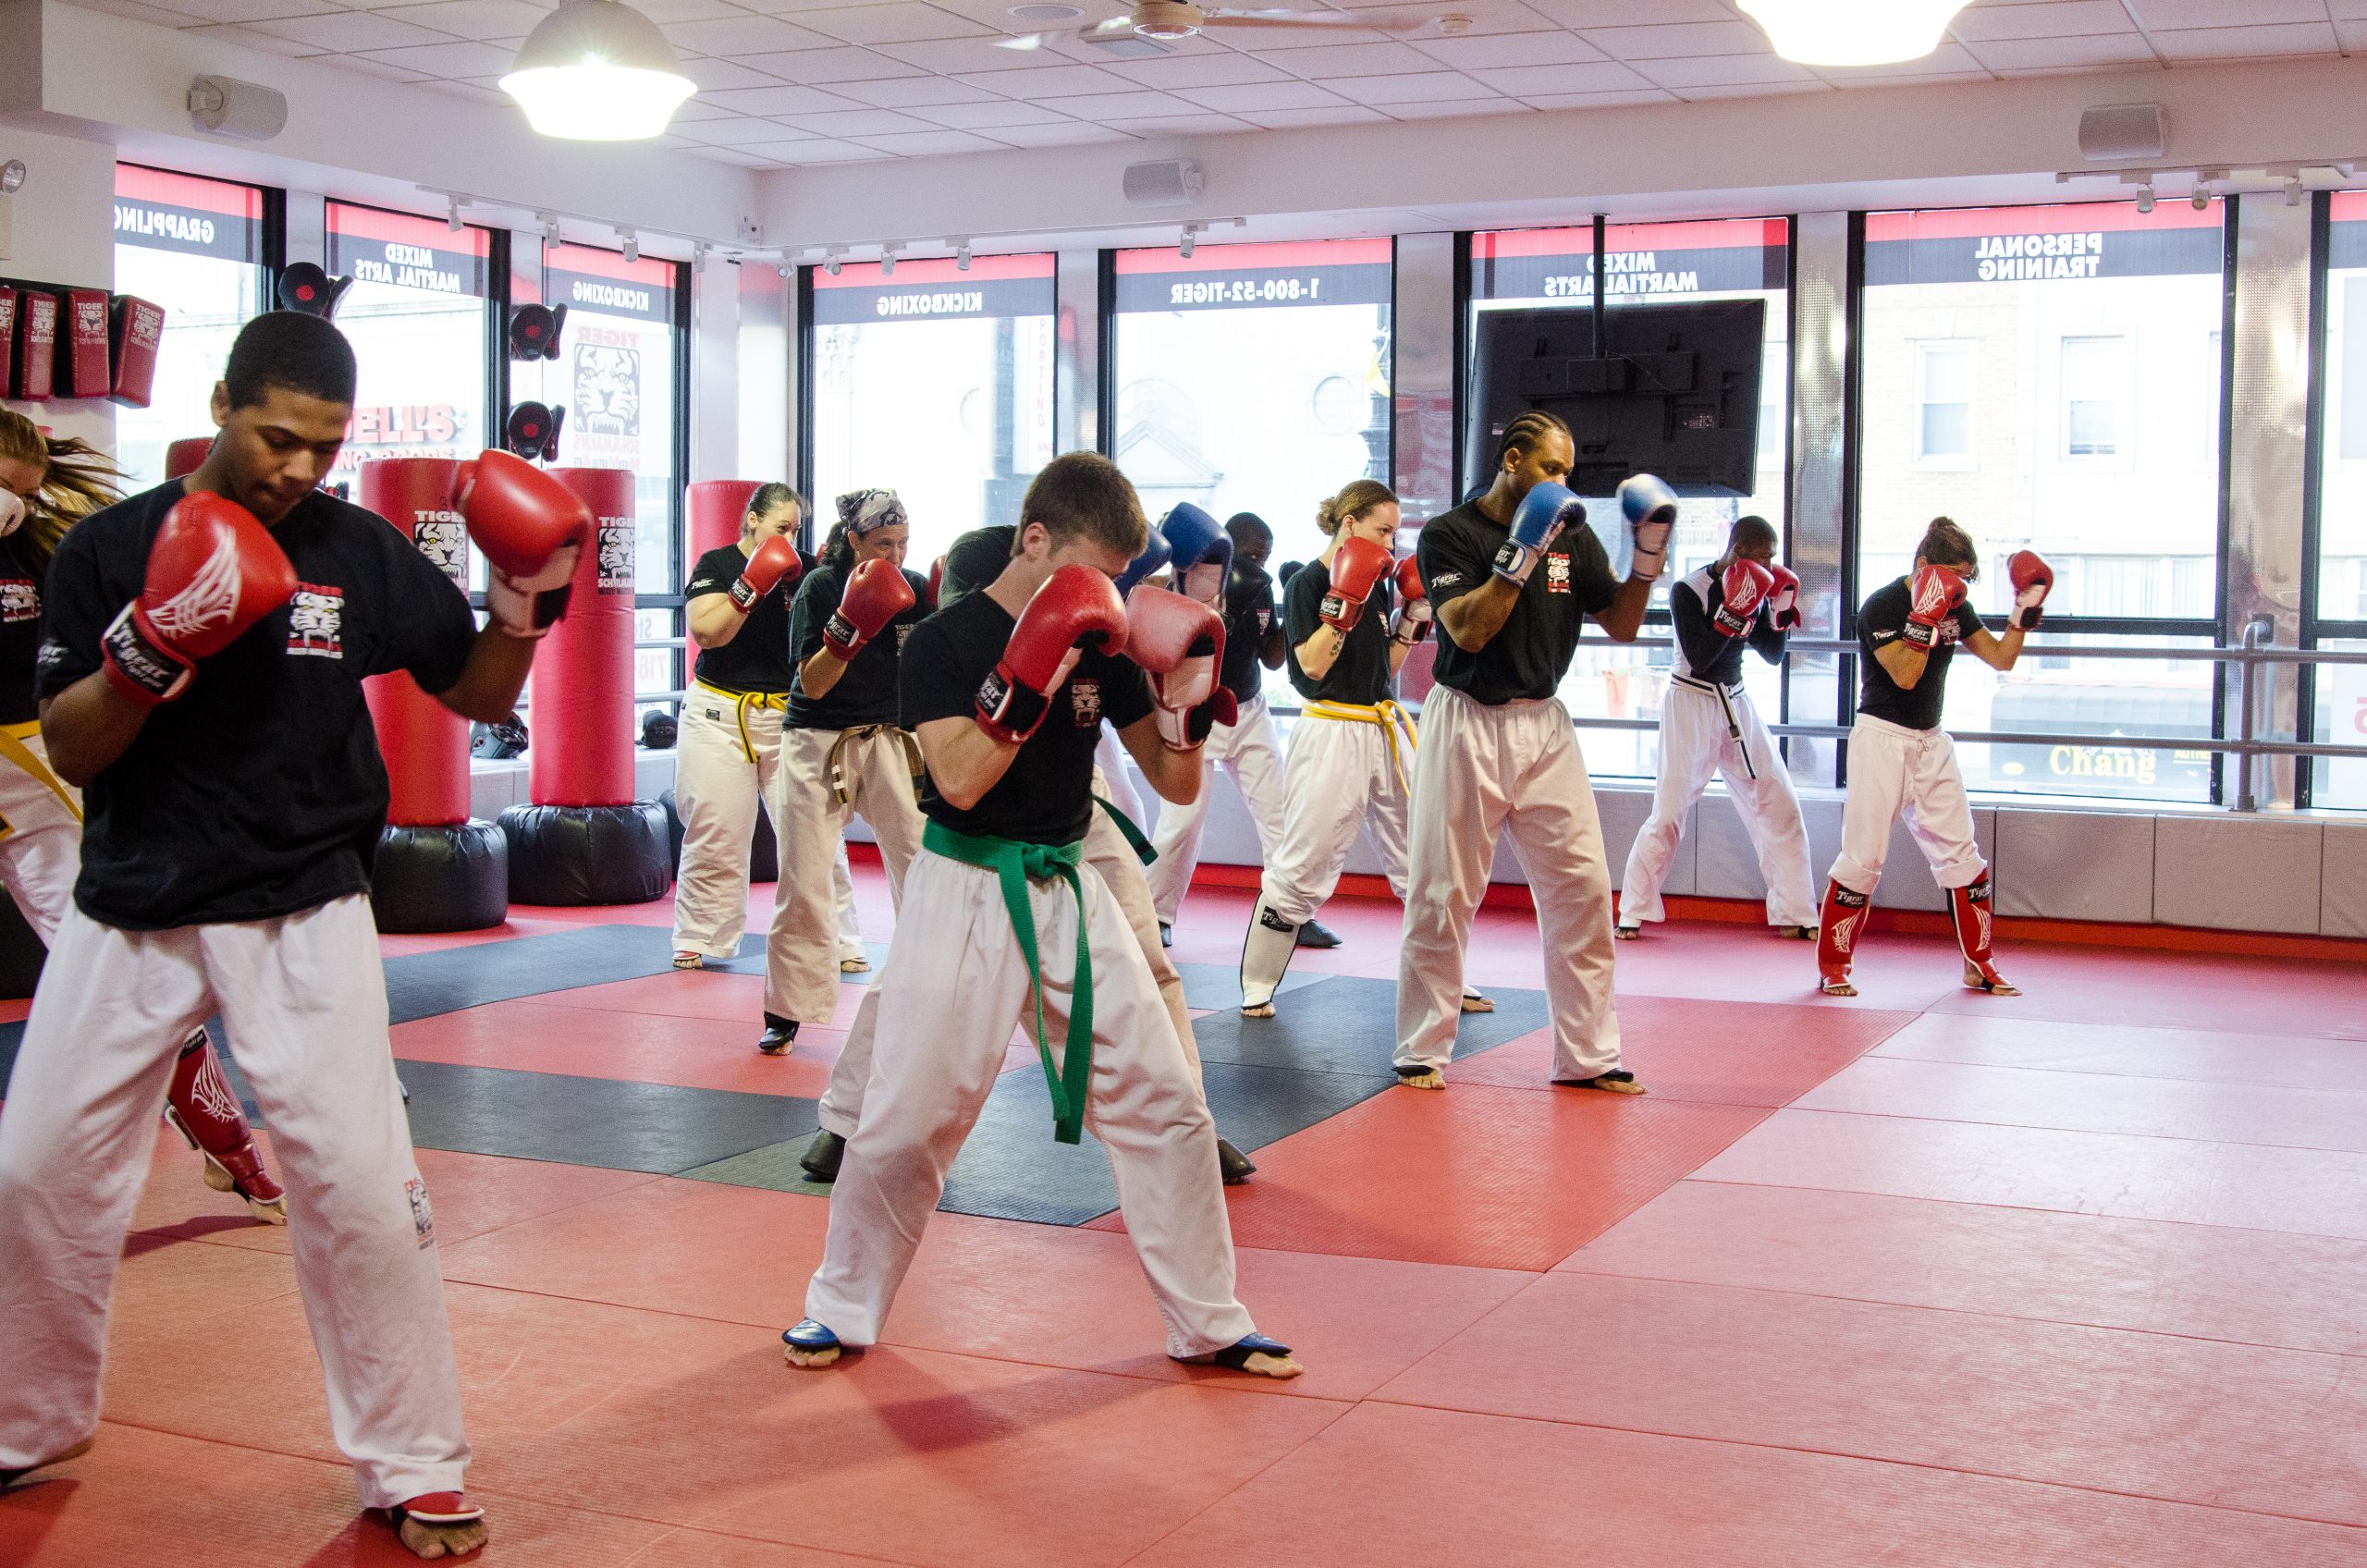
x,y
1265,954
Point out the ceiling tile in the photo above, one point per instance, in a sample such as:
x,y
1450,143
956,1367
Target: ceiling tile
x,y
2236,42
780,100
665,11
1426,87
993,115
1068,135
253,10
716,75
820,67
734,156
1261,97
1205,70
2010,55
1624,13
845,123
729,36
1450,108
369,67
1135,105
155,16
699,109
1510,49
915,91
351,31
903,21
1749,90
739,131
2354,35
1201,122
1949,59
1349,59
950,55
1598,100
2158,15
1860,81
470,91
473,19
1049,81
1606,76
1725,70
1286,120
253,40
1676,41
928,143
824,151
2050,19
453,59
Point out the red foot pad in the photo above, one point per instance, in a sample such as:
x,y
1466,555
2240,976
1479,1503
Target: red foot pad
x,y
208,1115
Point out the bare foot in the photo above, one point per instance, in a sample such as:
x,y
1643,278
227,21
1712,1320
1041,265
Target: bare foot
x,y
853,965
689,960
1256,1354
441,1524
1626,932
1990,982
810,1344
1837,985
797,1357
1420,1078
1263,1009
1474,1002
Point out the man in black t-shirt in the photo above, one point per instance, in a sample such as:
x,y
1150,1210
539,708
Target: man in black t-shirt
x,y
201,677
1247,748
1513,587
1007,689
1710,726
1903,765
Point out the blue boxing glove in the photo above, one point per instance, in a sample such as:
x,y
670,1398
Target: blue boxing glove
x,y
1202,554
1649,507
1544,512
1154,556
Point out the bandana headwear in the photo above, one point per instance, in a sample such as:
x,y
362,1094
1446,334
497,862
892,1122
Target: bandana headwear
x,y
861,511
12,513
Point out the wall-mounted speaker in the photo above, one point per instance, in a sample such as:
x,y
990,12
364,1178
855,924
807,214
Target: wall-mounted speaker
x,y
2121,133
243,109
1173,184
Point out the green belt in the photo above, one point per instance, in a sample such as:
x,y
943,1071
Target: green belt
x,y
1127,830
1016,864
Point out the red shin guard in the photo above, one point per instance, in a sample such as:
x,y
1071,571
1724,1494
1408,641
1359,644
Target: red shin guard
x,y
201,1103
1971,908
1836,937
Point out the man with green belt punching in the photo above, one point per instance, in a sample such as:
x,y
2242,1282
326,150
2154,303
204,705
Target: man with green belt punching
x,y
1001,924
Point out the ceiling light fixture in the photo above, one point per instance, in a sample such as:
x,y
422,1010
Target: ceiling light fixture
x,y
2201,198
1190,240
830,259
2145,197
597,70
2293,190
12,176
887,254
550,229
962,255
452,214
632,245
1853,33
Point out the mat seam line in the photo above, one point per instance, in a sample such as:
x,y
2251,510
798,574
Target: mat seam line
x,y
2035,1208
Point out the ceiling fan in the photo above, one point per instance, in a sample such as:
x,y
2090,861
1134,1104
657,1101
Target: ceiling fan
x,y
1179,18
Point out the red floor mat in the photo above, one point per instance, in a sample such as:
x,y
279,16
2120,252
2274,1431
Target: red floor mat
x,y
1726,1053
2199,1279
632,1047
1393,1485
2186,1420
2205,1055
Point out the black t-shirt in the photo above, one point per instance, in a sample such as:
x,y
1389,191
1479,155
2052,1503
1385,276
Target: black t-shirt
x,y
866,690
1249,615
1883,619
260,792
757,659
1361,672
21,577
1457,553
1709,652
975,560
1047,795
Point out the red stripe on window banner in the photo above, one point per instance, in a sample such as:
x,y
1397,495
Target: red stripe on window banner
x,y
935,269
1976,223
1712,234
2349,206
650,271
136,182
1249,257
408,229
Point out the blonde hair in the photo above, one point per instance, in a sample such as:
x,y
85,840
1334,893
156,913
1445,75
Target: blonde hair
x,y
77,480
1355,499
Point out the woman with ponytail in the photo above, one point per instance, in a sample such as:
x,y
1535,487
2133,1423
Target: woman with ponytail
x,y
47,485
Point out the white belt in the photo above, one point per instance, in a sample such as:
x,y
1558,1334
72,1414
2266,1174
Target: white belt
x,y
1725,695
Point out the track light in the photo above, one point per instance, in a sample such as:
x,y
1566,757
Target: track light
x,y
550,228
1190,240
2293,190
2145,197
632,245
887,254
2201,198
452,214
830,260
962,256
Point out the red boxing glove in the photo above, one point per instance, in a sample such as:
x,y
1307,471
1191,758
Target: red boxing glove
x,y
531,528
1075,606
1414,612
1180,642
936,581
1932,596
213,572
1784,599
877,594
775,561
1747,585
2032,580
1356,565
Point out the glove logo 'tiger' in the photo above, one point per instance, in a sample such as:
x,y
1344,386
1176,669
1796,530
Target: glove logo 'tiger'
x,y
208,600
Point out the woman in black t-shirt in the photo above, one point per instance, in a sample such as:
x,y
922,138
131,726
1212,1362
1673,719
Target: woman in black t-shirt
x,y
48,484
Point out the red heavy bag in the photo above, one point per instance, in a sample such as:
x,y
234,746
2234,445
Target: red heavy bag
x,y
188,455
581,713
425,743
717,509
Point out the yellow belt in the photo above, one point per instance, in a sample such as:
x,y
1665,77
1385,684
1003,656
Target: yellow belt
x,y
14,750
742,702
838,756
1388,715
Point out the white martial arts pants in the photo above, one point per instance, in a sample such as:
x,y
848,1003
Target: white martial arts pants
x,y
41,848
717,781
1896,772
1107,850
1247,750
1481,768
809,823
1696,744
953,989
306,1001
1344,774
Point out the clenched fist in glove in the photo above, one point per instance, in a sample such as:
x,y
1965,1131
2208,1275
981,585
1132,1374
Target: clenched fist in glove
x,y
1747,585
1075,606
1357,565
213,572
876,594
1649,507
775,562
2032,580
531,528
1784,599
1413,613
1180,644
1546,511
1932,598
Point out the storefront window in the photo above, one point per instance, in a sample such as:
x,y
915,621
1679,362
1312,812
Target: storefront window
x,y
194,247
936,382
2049,377
2339,612
418,319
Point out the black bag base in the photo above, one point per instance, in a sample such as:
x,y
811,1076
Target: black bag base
x,y
578,855
764,850
441,879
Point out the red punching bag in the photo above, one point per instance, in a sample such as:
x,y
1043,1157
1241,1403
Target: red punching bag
x,y
582,754
717,509
185,455
425,743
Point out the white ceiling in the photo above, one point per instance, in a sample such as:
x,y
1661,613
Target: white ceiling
x,y
792,82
